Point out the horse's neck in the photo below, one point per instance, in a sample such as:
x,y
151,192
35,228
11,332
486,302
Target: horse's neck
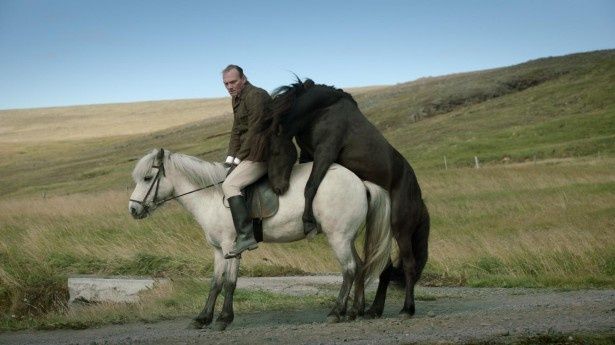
x,y
205,205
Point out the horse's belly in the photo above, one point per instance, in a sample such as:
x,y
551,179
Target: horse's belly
x,y
289,231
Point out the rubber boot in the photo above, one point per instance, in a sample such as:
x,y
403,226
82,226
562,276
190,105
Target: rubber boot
x,y
243,226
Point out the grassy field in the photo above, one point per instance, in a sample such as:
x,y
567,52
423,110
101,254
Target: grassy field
x,y
538,213
104,120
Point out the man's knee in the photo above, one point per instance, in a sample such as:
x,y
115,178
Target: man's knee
x,y
230,189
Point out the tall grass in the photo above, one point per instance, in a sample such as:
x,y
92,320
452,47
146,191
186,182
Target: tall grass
x,y
526,224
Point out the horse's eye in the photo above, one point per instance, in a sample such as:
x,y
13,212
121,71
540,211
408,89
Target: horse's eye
x,y
147,178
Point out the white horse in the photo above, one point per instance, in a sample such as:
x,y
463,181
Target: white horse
x,y
342,205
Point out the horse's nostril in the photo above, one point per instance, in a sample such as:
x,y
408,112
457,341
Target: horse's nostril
x,y
133,211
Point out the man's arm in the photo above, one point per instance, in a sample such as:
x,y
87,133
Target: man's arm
x,y
258,105
234,143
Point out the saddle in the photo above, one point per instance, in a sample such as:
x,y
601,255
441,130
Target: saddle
x,y
262,203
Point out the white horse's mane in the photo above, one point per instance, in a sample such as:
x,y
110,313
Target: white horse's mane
x,y
198,172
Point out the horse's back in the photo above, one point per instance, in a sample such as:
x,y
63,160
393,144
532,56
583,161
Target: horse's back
x,y
341,198
341,194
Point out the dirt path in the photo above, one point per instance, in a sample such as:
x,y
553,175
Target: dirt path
x,y
457,315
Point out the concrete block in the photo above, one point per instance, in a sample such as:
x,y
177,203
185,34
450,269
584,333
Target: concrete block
x,y
110,289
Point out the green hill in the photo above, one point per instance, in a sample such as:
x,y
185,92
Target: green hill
x,y
547,108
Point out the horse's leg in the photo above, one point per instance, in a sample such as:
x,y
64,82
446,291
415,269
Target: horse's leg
x,y
324,156
413,252
342,247
358,304
305,157
206,315
381,293
230,282
405,219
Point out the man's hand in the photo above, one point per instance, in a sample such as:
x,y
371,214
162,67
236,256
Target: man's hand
x,y
229,161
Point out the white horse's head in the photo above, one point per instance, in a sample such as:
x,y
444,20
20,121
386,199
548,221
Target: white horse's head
x,y
152,184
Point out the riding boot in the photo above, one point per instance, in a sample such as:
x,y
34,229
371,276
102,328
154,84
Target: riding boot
x,y
243,227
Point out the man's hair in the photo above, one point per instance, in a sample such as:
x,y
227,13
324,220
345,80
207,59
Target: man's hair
x,y
233,67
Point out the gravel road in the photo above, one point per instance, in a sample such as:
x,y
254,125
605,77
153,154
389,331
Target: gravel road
x,y
449,315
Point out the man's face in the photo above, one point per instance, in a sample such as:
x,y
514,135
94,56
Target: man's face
x,y
233,82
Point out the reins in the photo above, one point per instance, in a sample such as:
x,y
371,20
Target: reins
x,y
156,182
158,203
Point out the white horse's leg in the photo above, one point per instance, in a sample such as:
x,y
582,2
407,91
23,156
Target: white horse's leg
x,y
207,314
358,304
230,282
343,247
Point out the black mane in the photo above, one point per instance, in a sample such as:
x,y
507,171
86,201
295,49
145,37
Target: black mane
x,y
292,103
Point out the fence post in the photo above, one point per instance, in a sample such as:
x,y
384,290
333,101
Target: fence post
x,y
476,162
445,165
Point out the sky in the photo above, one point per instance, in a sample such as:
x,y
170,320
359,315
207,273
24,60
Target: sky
x,y
72,52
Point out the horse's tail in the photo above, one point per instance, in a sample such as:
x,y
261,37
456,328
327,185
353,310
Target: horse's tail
x,y
378,237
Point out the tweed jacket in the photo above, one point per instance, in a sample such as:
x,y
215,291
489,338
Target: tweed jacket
x,y
252,119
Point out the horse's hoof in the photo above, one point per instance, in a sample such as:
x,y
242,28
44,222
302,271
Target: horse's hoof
x,y
309,229
333,319
220,325
354,314
405,316
406,313
196,324
369,315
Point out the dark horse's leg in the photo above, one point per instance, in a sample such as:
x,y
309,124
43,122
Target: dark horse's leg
x,y
381,293
410,224
324,156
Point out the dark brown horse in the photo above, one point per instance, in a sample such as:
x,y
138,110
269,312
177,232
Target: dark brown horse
x,y
329,127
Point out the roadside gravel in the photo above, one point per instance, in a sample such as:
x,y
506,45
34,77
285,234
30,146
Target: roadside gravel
x,y
448,315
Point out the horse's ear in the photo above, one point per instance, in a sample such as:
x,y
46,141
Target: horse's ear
x,y
160,158
308,83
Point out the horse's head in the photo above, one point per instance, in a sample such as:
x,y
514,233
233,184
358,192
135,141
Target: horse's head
x,y
284,98
294,106
282,157
152,184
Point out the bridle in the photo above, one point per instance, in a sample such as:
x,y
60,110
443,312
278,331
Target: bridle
x,y
156,184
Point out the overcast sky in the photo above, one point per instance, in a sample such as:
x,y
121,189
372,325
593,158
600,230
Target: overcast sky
x,y
66,52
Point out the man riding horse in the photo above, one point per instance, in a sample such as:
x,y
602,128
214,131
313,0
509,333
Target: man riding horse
x,y
247,152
